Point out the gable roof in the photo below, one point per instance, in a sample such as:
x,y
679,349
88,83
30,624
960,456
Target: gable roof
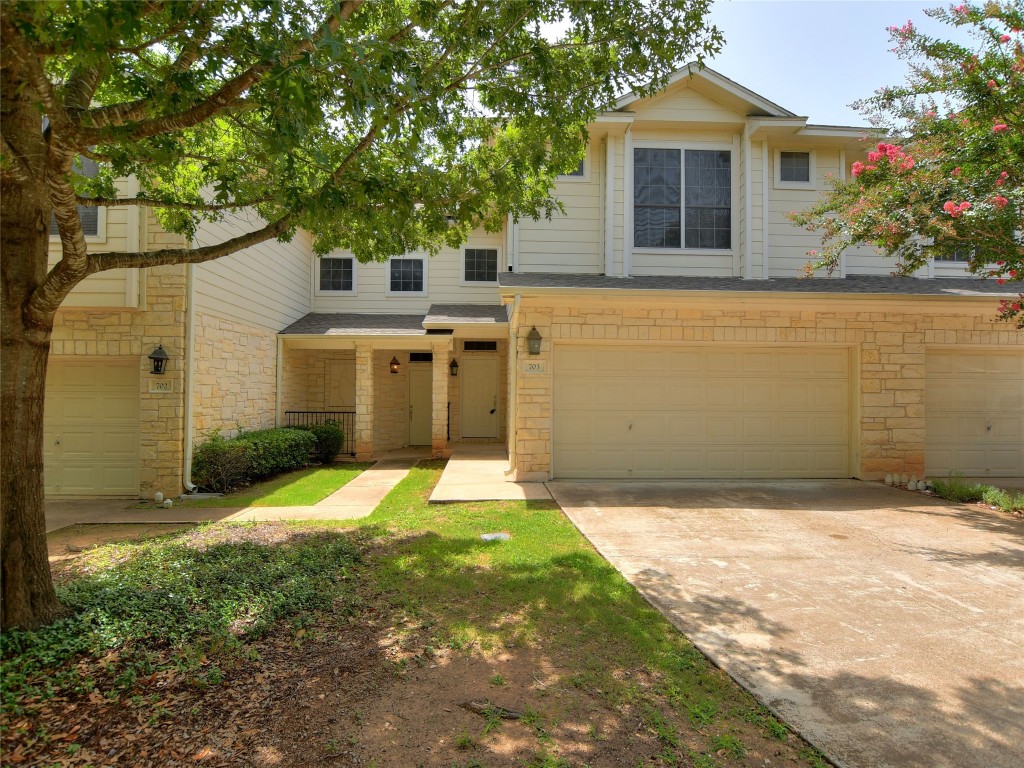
x,y
756,104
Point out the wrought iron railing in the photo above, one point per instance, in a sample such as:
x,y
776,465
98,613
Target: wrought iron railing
x,y
345,419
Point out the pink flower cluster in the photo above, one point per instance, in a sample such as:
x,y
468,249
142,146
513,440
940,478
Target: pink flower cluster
x,y
960,10
894,153
954,210
1004,38
999,201
1002,178
1000,127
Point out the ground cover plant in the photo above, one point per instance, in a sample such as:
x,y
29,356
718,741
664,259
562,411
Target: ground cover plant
x,y
403,640
955,488
300,488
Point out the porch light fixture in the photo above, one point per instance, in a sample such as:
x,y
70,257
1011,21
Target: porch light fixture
x,y
453,366
394,365
533,341
159,359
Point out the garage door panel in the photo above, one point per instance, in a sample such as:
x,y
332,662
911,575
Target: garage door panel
x,y
91,428
974,412
731,412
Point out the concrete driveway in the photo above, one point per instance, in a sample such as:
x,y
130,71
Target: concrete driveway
x,y
887,627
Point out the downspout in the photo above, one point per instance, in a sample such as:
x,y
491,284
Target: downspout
x,y
748,227
765,210
190,348
513,395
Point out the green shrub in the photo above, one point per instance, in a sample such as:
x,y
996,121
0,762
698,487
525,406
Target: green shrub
x,y
277,450
221,465
329,438
957,489
1007,501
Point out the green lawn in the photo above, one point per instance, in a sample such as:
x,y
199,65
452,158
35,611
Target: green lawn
x,y
294,489
415,605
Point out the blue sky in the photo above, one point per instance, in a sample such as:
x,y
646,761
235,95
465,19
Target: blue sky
x,y
814,57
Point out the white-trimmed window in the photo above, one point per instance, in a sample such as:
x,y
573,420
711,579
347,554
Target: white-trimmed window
x,y
337,274
582,172
93,218
682,198
794,169
407,276
480,265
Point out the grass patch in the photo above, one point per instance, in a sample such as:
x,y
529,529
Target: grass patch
x,y
956,489
292,489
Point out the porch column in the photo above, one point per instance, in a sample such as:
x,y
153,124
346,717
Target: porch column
x,y
439,427
364,400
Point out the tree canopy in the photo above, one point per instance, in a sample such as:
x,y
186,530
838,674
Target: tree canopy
x,y
948,179
383,127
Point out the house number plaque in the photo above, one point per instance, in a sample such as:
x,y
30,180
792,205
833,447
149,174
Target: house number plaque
x,y
535,366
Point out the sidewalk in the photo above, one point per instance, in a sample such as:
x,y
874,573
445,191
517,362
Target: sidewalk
x,y
356,499
476,472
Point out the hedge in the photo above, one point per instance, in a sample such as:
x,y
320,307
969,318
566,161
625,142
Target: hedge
x,y
329,438
221,464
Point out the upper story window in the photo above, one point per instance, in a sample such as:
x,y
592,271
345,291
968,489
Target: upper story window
x,y
407,275
579,174
481,265
337,274
794,169
958,256
682,198
88,215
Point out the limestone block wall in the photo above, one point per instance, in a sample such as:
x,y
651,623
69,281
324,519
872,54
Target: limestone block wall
x,y
135,333
235,377
391,400
306,377
887,335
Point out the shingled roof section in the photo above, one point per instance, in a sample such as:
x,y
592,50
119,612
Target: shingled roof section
x,y
350,324
456,314
859,284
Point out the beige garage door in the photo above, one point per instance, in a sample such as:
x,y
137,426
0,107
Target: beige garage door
x,y
679,412
974,413
91,428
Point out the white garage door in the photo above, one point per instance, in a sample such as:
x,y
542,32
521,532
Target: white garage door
x,y
678,412
974,413
91,428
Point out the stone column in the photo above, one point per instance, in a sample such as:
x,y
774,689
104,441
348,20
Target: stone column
x,y
364,400
439,388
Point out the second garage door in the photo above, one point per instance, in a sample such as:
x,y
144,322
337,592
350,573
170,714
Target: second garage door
x,y
700,412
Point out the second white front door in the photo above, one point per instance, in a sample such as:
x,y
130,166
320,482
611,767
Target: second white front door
x,y
479,397
420,404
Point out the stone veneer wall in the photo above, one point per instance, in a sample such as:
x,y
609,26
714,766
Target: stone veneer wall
x,y
235,377
888,362
135,333
391,400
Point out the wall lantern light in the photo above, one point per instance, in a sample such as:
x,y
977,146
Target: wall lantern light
x,y
394,365
533,341
453,366
159,359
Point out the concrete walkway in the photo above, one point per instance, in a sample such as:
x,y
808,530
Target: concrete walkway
x,y
476,472
884,625
356,499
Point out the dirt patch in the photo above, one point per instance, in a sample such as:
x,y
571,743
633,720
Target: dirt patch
x,y
67,544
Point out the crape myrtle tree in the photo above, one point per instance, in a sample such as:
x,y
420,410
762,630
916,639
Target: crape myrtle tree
x,y
954,184
383,127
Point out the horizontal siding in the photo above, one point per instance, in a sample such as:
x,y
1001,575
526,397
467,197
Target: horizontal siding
x,y
115,287
267,285
444,283
683,104
702,265
571,242
788,243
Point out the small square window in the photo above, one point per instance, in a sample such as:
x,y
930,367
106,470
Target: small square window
x,y
336,274
795,167
481,265
406,276
579,170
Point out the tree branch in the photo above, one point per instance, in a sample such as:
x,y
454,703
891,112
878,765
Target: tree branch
x,y
37,78
147,202
224,99
19,167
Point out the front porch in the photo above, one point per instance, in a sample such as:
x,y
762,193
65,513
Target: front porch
x,y
398,381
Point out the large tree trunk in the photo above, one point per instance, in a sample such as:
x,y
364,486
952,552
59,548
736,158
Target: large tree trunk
x,y
28,596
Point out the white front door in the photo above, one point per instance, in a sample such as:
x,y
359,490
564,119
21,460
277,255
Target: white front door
x,y
420,404
479,396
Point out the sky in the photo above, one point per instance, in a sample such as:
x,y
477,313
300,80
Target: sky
x,y
815,57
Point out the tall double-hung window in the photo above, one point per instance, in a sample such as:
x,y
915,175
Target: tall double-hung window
x,y
682,198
